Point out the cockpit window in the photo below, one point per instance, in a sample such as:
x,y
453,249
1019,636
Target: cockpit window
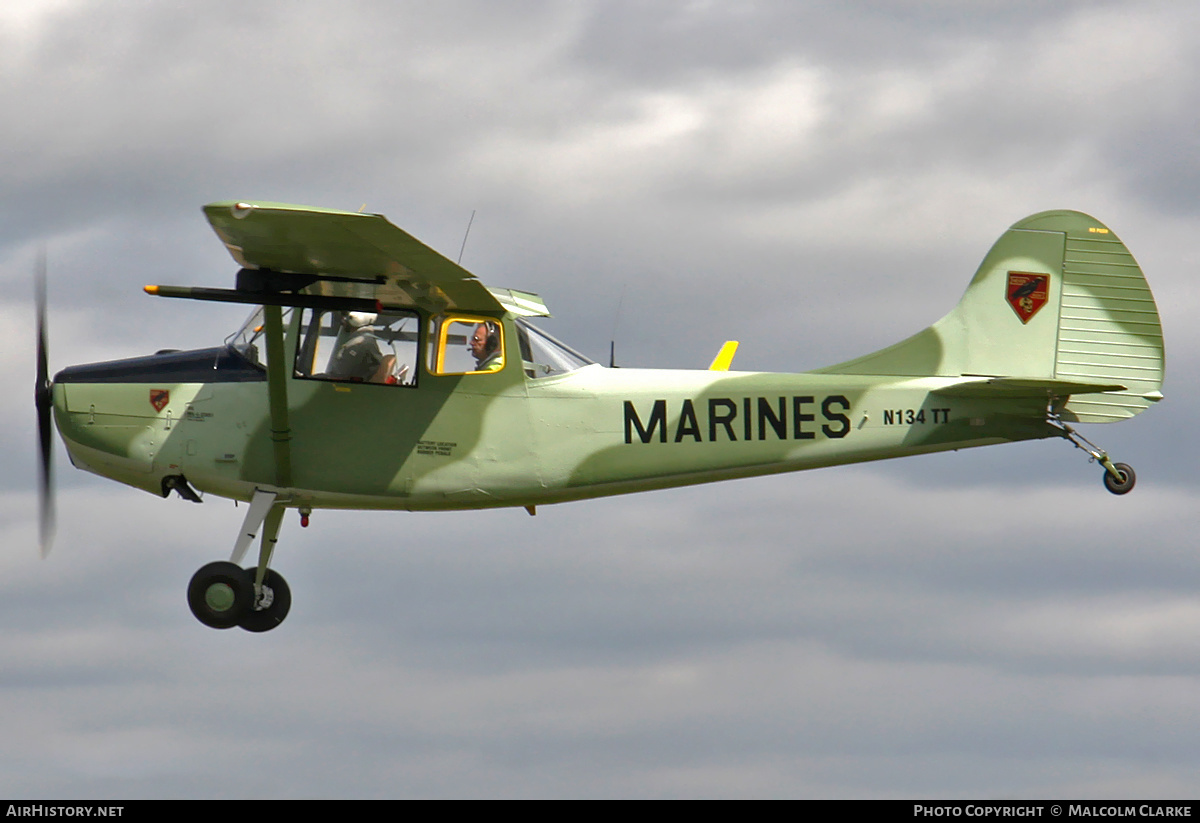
x,y
543,356
358,347
466,345
383,348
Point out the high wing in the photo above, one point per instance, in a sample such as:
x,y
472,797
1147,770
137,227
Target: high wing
x,y
346,254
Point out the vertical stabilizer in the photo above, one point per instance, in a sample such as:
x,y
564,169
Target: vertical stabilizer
x,y
1058,297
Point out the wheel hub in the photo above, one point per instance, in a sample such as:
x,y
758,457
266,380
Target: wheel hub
x,y
219,597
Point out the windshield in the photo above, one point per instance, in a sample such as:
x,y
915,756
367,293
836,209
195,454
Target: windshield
x,y
543,356
246,340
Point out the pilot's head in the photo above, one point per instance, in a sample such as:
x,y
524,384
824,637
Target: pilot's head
x,y
484,341
358,319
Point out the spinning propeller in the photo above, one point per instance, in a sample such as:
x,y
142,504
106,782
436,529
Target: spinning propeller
x,y
43,397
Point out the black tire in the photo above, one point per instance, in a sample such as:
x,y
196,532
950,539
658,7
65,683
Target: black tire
x,y
220,594
263,620
1123,486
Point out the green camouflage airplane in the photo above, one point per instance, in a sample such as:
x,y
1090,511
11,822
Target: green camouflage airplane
x,y
375,373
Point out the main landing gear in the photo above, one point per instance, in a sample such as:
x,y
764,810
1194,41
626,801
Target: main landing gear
x,y
1119,478
223,594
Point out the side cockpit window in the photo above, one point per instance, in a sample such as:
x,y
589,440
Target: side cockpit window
x,y
466,345
358,347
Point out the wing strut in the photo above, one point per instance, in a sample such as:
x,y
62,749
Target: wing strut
x,y
281,432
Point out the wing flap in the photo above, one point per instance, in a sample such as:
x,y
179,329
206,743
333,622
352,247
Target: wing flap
x,y
520,303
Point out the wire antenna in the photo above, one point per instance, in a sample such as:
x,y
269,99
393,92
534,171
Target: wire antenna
x,y
465,236
612,343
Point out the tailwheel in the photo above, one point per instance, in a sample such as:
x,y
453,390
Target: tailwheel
x,y
221,594
1127,478
1119,478
271,606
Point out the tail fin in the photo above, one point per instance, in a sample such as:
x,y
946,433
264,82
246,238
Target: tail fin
x,y
1058,298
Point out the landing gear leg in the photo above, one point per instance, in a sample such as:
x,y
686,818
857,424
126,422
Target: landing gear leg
x,y
272,597
1119,478
260,507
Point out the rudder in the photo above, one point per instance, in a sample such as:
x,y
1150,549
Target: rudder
x,y
1108,327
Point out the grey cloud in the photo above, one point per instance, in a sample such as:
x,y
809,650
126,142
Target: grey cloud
x,y
817,180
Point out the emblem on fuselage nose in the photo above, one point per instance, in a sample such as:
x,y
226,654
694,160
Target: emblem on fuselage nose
x,y
159,398
1027,293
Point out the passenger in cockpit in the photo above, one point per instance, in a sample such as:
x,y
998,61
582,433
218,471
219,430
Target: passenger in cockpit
x,y
358,356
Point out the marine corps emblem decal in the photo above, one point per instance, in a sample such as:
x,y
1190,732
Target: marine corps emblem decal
x,y
1027,293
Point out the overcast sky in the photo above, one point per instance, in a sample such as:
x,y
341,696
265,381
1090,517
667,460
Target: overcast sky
x,y
814,179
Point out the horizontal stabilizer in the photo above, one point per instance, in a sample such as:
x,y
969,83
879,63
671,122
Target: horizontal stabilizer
x,y
1022,387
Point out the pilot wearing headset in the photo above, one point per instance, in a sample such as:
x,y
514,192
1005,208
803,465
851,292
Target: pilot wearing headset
x,y
485,347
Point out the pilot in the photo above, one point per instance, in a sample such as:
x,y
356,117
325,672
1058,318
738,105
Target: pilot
x,y
485,347
358,357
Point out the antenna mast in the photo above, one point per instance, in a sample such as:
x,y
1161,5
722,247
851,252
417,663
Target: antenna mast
x,y
466,234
